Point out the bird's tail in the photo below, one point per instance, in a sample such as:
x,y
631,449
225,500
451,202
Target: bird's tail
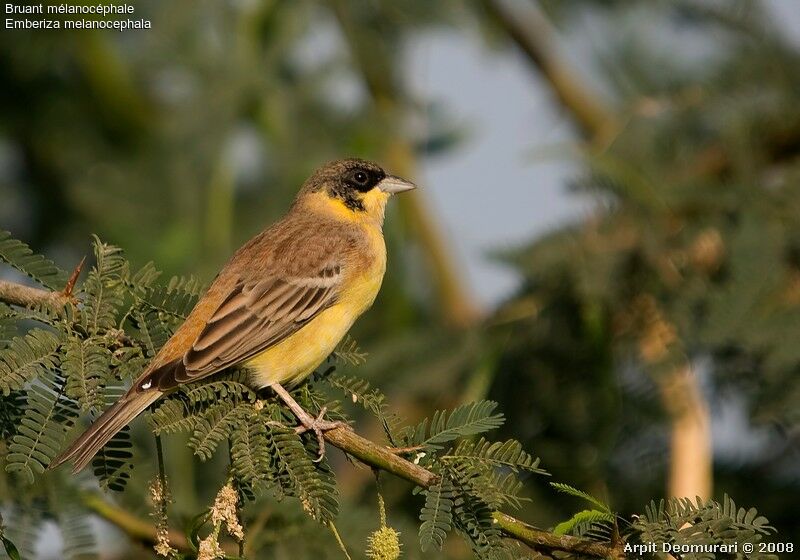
x,y
109,423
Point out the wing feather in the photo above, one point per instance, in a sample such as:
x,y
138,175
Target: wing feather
x,y
253,317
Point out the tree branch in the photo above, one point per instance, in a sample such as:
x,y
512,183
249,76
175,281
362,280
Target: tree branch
x,y
539,539
531,33
137,529
382,458
25,296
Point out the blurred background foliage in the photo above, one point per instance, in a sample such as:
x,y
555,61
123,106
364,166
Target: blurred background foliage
x,y
180,143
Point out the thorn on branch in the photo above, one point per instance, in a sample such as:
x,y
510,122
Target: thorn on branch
x,y
405,450
73,278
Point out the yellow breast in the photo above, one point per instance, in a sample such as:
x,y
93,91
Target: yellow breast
x,y
294,358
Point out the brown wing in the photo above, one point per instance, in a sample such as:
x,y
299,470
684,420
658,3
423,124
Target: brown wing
x,y
253,317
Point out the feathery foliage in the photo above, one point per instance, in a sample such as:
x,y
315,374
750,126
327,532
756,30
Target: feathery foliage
x,y
372,399
697,521
7,325
104,288
445,426
76,530
585,521
214,426
113,463
249,451
59,363
472,517
20,256
437,514
508,454
86,365
24,527
12,406
26,357
298,476
348,352
40,434
572,491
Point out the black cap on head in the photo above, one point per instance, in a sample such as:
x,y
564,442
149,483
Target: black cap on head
x,y
346,179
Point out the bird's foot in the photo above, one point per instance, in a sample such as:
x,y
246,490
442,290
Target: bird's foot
x,y
319,426
308,423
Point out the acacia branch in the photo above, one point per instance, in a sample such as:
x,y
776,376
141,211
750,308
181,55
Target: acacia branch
x,y
366,451
382,458
25,296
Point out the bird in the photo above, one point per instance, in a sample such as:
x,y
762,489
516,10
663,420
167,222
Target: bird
x,y
279,306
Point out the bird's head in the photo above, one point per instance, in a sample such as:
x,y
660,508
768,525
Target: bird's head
x,y
353,189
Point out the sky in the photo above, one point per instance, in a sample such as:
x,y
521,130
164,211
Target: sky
x,y
492,192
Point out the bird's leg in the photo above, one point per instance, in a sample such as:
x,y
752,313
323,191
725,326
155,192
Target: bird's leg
x,y
307,422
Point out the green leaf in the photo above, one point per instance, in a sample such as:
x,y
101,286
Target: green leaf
x,y
701,522
150,329
12,408
86,366
20,256
40,435
215,426
348,352
370,398
8,325
567,489
25,525
312,483
11,549
173,416
231,388
464,421
436,515
144,278
113,463
175,299
27,357
249,451
473,518
585,517
508,454
105,288
76,530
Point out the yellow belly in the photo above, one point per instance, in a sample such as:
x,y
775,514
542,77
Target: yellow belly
x,y
294,358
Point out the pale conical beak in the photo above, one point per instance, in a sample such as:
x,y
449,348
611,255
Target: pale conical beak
x,y
394,185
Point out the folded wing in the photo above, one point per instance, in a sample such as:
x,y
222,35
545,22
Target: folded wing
x,y
253,317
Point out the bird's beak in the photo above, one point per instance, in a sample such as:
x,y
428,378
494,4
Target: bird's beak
x,y
394,185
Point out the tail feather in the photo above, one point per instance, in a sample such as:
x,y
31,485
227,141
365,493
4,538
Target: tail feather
x,y
109,423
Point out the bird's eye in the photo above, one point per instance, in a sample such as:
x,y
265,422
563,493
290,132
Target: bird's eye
x,y
360,177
